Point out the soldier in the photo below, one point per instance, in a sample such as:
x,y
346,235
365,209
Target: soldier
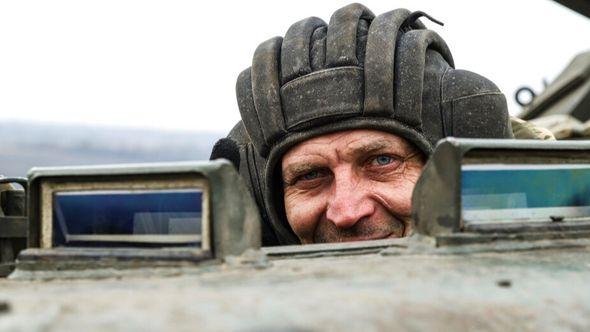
x,y
338,120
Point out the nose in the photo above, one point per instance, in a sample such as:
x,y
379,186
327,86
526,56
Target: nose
x,y
349,201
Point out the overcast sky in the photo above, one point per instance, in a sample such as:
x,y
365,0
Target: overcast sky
x,y
173,64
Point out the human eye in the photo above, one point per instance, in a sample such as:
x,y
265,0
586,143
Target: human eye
x,y
312,175
308,179
383,160
382,166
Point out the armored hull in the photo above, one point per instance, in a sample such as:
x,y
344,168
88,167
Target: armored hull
x,y
388,289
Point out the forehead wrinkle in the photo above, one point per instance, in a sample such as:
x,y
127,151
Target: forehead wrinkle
x,y
302,157
328,139
312,149
350,147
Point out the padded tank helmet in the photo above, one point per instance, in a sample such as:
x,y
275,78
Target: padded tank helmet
x,y
386,73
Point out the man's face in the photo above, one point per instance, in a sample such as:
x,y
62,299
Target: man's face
x,y
352,185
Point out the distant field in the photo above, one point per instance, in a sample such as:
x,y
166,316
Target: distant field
x,y
24,145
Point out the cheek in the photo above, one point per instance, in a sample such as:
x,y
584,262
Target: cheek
x,y
397,195
303,214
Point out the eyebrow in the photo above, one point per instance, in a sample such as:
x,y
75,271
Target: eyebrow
x,y
373,146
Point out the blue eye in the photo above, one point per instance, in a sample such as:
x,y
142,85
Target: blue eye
x,y
383,160
311,175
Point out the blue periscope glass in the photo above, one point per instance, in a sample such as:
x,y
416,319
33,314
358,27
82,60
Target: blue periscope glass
x,y
123,218
522,193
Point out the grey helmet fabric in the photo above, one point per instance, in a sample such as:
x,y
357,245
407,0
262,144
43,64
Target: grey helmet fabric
x,y
386,73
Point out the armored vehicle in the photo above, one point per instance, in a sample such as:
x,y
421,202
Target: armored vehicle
x,y
501,243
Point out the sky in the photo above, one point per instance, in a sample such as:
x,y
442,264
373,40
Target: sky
x,y
173,64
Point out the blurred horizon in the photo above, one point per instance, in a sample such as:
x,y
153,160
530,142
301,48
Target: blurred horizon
x,y
27,144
